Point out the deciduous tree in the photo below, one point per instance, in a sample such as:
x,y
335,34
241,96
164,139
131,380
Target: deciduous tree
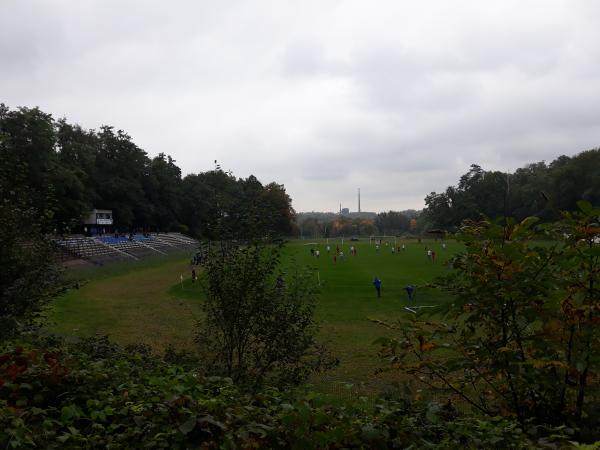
x,y
259,320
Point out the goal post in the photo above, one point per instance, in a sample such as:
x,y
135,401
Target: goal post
x,y
374,239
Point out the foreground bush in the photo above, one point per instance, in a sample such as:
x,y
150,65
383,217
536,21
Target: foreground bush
x,y
259,325
95,395
521,337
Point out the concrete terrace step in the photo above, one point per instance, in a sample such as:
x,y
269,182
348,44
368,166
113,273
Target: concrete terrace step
x,y
102,249
85,248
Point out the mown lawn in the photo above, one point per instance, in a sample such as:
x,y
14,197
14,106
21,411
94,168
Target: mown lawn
x,y
146,302
130,303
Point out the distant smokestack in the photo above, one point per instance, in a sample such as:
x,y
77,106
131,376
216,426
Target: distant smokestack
x,y
358,199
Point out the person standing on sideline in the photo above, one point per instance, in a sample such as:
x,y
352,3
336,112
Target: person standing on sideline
x,y
193,275
432,256
377,284
328,248
429,255
334,259
317,253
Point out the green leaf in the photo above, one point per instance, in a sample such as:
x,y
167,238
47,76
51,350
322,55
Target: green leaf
x,y
585,206
594,251
529,221
210,420
259,429
369,433
188,425
35,411
67,413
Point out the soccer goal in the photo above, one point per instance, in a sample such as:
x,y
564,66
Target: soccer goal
x,y
381,239
412,307
415,309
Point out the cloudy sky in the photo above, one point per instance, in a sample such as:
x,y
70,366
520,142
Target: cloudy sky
x,y
395,97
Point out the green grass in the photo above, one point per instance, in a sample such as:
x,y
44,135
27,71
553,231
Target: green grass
x,y
348,300
130,303
146,302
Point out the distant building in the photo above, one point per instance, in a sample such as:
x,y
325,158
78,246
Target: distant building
x,y
345,211
98,221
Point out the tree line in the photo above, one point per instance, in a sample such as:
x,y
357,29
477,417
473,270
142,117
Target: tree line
x,y
66,171
538,189
315,225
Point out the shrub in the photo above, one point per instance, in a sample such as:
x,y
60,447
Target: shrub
x,y
30,276
259,323
521,336
92,394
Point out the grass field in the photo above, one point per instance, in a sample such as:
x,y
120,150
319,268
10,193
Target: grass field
x,y
146,302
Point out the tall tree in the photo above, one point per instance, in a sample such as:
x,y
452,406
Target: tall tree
x,y
392,222
29,275
70,171
74,180
536,189
28,154
120,170
166,192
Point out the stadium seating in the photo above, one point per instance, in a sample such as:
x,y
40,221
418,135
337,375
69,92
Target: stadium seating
x,y
102,249
88,249
175,240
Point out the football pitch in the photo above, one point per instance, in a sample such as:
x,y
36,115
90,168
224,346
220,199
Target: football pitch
x,y
147,302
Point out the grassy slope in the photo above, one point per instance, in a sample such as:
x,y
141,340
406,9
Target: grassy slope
x,y
130,303
144,302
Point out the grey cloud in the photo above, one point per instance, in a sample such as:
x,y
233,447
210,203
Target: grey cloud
x,y
323,97
303,59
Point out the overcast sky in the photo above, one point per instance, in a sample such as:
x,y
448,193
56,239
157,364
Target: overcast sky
x,y
397,97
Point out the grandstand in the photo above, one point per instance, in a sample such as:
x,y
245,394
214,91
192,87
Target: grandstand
x,y
106,248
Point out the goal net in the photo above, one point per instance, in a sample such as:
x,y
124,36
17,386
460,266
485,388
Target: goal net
x,y
382,239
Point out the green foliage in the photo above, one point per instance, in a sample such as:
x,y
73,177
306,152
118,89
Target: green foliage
x,y
537,189
316,225
94,395
392,223
522,334
259,322
28,159
29,275
70,171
